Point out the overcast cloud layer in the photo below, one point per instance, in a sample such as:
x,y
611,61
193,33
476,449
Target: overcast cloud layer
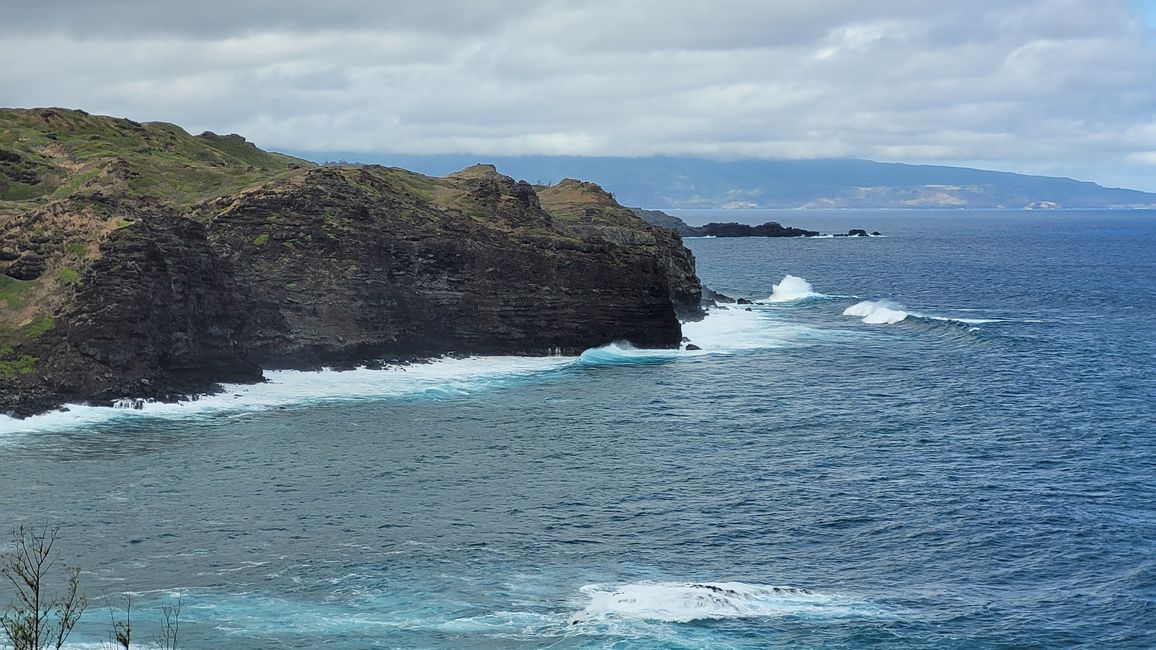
x,y
1064,87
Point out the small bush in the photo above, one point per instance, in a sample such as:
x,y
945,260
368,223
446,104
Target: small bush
x,y
25,365
261,239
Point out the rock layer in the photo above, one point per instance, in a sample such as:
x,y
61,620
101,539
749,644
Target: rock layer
x,y
121,287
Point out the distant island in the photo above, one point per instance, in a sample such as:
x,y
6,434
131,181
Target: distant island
x,y
674,182
731,229
139,261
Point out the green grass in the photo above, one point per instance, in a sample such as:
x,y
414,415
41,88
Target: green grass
x,y
261,239
12,291
153,159
12,364
68,276
37,328
25,364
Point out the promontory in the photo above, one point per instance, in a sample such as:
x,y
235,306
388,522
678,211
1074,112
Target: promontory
x,y
139,261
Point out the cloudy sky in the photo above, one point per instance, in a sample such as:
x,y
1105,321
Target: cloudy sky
x,y
1065,87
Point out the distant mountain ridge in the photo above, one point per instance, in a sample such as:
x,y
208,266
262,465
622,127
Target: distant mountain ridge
x,y
672,182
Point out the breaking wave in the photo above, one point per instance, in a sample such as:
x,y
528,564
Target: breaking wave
x,y
734,329
625,354
725,330
675,602
791,289
285,388
719,332
877,312
886,312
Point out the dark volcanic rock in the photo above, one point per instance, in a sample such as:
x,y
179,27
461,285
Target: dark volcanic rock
x,y
769,229
692,347
710,297
664,220
590,212
28,266
856,232
115,293
156,316
353,269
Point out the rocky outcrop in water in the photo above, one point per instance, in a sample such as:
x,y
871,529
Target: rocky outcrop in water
x,y
732,229
769,229
137,284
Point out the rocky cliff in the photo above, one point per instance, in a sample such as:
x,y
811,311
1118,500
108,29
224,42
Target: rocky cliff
x,y
139,261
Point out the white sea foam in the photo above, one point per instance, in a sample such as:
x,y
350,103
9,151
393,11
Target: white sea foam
x,y
885,312
721,332
793,288
626,354
293,387
965,321
877,312
736,329
676,602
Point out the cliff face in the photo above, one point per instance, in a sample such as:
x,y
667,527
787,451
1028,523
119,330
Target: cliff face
x,y
590,211
352,263
120,278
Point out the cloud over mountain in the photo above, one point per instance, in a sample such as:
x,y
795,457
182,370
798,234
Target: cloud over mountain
x,y
1050,86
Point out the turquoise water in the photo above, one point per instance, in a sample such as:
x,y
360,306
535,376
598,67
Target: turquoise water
x,y
974,468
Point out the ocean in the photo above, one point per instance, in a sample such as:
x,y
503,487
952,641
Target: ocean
x,y
944,437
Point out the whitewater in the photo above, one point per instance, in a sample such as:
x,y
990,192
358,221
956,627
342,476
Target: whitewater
x,y
937,439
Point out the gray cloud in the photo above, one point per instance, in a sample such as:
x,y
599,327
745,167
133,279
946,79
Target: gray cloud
x,y
1053,86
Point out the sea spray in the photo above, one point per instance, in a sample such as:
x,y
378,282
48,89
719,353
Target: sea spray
x,y
624,353
792,288
733,330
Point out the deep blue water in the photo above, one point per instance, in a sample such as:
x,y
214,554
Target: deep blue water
x,y
979,474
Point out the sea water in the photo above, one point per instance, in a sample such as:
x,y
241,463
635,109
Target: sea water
x,y
940,438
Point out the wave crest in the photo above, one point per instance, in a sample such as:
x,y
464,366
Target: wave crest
x,y
791,289
877,312
885,312
626,354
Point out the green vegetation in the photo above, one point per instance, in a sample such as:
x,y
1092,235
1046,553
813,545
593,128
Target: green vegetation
x,y
55,154
77,248
37,328
10,369
12,292
68,276
261,239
